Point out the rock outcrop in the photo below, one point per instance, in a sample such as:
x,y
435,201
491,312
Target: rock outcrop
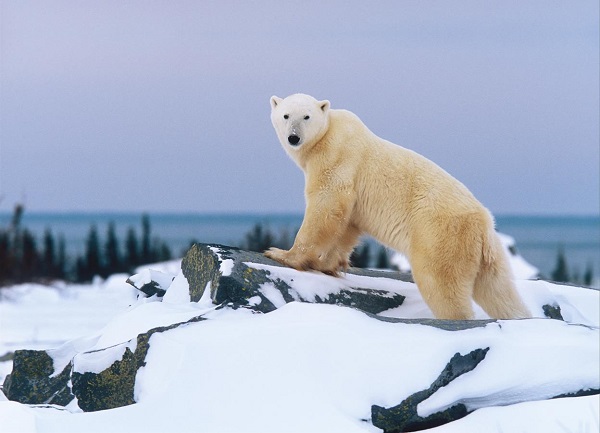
x,y
102,375
240,278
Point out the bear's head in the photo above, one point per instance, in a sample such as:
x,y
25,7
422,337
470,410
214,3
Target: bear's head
x,y
299,120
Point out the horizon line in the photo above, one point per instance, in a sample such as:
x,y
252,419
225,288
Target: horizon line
x,y
261,213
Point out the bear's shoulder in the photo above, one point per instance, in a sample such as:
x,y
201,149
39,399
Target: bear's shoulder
x,y
345,119
342,114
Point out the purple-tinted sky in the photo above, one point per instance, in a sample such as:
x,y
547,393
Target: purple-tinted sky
x,y
164,105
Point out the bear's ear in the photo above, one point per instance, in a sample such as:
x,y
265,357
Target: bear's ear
x,y
324,105
275,100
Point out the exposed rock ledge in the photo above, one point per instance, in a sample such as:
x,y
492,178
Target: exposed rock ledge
x,y
234,279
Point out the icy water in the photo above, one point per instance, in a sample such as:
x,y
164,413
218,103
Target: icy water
x,y
538,238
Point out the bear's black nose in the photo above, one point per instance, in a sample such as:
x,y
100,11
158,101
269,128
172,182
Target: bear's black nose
x,y
293,139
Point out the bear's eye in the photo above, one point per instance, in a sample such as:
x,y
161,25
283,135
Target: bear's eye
x,y
285,116
306,117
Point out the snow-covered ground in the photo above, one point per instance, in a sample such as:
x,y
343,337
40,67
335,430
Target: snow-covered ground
x,y
302,368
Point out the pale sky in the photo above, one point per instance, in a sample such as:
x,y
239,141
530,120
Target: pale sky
x,y
164,105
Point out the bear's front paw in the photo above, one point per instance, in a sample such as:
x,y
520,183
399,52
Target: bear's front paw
x,y
288,258
276,254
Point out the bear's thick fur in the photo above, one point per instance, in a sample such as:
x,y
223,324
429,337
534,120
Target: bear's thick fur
x,y
359,183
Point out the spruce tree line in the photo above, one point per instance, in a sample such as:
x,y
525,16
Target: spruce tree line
x,y
561,273
23,259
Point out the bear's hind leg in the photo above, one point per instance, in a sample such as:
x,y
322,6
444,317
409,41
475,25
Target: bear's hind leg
x,y
446,299
495,292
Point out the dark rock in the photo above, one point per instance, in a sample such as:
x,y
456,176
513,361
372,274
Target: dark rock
x,y
151,282
31,380
112,387
8,356
202,267
552,311
580,393
404,417
150,289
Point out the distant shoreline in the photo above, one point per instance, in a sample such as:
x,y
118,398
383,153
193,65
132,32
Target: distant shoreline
x,y
538,237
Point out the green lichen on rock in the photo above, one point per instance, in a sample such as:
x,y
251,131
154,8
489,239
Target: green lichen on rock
x,y
200,266
404,417
31,380
243,283
110,388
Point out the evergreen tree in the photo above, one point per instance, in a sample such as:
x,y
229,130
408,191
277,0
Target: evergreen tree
x,y
6,260
258,239
16,243
132,250
91,265
588,276
146,251
361,256
112,255
17,217
561,272
49,255
161,251
11,249
61,260
30,260
383,262
81,271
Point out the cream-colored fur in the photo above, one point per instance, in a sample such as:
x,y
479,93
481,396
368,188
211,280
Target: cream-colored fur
x,y
359,183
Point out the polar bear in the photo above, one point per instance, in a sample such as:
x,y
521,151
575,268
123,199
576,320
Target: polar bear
x,y
356,182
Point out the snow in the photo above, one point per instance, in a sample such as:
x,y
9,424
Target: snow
x,y
273,295
148,275
33,316
97,362
304,367
311,285
178,292
572,415
226,264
